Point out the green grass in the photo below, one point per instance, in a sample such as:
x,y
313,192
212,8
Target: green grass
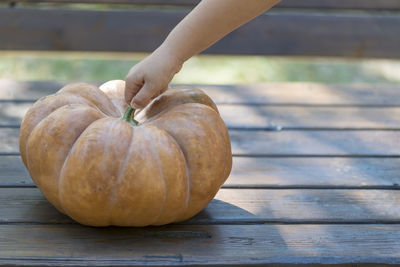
x,y
200,69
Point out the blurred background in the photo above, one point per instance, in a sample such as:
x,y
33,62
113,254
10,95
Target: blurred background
x,y
202,69
205,69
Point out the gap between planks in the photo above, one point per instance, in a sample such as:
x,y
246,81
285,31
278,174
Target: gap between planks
x,y
256,104
260,186
281,155
274,129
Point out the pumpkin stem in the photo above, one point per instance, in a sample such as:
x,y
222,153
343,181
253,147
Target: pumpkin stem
x,y
129,116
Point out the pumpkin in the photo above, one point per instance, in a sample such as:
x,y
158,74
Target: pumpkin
x,y
101,166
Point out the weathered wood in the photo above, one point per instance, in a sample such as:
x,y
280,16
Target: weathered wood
x,y
28,90
314,172
303,94
13,171
276,33
287,143
233,206
271,117
272,172
316,143
222,245
318,4
289,117
296,93
341,4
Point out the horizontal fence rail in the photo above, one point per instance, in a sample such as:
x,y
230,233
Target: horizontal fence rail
x,y
314,4
370,34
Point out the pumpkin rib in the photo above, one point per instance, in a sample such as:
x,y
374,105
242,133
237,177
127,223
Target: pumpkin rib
x,y
106,147
156,156
172,93
189,180
52,111
88,102
65,161
216,137
28,138
107,108
213,106
22,130
172,138
119,175
197,119
53,129
169,109
113,89
35,126
70,103
223,144
71,89
223,137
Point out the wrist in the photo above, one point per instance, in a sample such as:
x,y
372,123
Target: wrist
x,y
171,57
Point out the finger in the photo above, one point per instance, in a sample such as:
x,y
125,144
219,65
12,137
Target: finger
x,y
133,84
164,89
143,97
159,93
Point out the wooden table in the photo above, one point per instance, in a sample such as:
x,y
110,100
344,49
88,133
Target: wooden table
x,y
315,180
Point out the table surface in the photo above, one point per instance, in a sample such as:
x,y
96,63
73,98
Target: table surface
x,y
315,180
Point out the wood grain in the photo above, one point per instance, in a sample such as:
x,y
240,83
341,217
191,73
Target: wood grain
x,y
315,33
318,4
222,245
314,172
315,143
293,93
233,206
286,143
272,173
271,117
341,4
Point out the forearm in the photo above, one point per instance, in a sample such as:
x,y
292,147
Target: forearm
x,y
206,24
209,22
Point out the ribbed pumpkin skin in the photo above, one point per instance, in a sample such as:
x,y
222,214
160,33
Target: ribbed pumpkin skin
x,y
101,170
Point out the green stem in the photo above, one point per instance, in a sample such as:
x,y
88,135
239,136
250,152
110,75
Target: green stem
x,y
129,116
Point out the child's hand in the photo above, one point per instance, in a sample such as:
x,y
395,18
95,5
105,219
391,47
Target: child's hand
x,y
150,77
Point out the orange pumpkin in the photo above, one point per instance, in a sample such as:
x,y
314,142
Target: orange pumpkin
x,y
97,166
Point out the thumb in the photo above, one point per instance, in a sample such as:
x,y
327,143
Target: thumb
x,y
133,83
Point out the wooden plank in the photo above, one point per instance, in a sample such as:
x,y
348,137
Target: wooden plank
x,y
271,117
286,143
314,34
27,90
289,117
318,4
314,172
294,93
304,93
342,4
222,245
315,143
233,206
272,173
13,172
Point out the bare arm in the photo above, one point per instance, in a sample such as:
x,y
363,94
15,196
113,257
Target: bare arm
x,y
207,23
